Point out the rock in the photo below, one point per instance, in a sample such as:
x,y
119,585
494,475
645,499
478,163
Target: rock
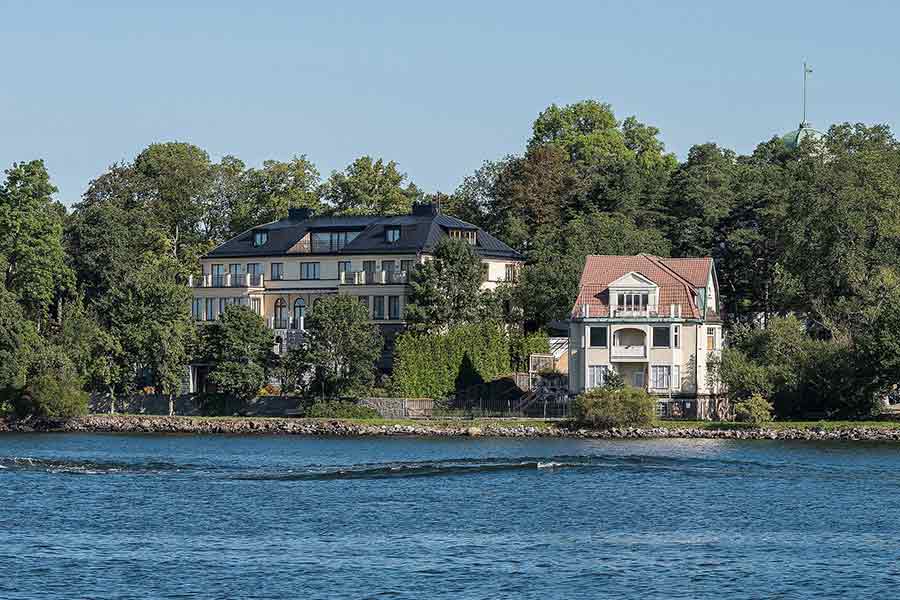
x,y
473,431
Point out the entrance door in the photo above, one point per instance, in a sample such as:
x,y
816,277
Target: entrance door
x,y
637,379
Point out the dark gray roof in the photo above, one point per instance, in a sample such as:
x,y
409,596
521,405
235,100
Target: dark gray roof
x,y
418,233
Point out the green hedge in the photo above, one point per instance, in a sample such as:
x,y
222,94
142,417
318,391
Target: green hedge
x,y
606,407
435,365
522,346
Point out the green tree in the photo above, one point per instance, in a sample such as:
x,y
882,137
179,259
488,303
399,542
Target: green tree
x,y
179,176
370,187
18,340
31,239
342,346
446,290
239,346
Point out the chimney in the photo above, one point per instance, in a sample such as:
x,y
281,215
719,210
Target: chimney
x,y
299,214
425,209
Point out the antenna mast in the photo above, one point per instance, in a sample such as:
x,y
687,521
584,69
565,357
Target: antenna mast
x,y
806,71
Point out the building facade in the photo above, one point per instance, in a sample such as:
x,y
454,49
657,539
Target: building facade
x,y
654,321
281,269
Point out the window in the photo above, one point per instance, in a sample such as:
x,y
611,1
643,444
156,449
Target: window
x,y
394,308
299,313
676,378
281,314
660,377
255,270
661,338
277,271
345,267
392,234
260,238
210,306
406,266
389,265
676,332
598,337
309,270
331,241
512,273
463,234
223,302
710,338
378,307
369,266
633,301
234,269
218,275
197,309
256,305
597,375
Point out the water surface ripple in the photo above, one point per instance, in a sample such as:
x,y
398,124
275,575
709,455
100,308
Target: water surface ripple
x,y
116,516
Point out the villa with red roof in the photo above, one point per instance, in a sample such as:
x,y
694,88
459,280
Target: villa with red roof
x,y
655,321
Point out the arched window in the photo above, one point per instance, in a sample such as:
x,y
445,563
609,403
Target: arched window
x,y
299,313
280,314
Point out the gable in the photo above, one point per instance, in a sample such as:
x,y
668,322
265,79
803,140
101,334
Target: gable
x,y
632,279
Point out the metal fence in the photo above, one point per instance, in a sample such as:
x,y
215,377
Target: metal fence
x,y
518,395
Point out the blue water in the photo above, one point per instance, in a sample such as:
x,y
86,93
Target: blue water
x,y
108,516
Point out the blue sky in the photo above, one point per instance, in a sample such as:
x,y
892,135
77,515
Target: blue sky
x,y
438,87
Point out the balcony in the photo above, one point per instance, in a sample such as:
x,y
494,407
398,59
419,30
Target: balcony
x,y
374,277
228,280
628,352
644,312
286,324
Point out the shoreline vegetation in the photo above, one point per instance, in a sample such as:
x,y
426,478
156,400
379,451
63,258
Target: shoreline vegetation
x,y
786,430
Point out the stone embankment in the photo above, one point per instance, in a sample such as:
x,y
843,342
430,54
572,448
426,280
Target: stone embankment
x,y
327,427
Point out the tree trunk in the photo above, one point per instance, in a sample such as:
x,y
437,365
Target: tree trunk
x,y
171,405
112,400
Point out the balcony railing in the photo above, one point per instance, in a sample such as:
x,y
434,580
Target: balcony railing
x,y
629,351
635,311
291,324
228,280
374,277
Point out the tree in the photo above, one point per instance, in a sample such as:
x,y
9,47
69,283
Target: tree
x,y
31,239
370,187
446,290
239,346
342,345
179,176
18,340
274,189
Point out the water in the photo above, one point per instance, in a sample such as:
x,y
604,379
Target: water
x,y
107,516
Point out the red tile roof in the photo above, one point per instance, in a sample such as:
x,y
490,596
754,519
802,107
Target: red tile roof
x,y
676,278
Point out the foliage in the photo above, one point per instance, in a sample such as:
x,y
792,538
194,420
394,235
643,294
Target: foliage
x,y
607,407
239,346
434,365
523,345
342,345
52,397
614,380
31,249
755,410
336,409
446,290
370,187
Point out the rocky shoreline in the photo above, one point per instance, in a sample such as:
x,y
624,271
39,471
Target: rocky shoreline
x,y
315,427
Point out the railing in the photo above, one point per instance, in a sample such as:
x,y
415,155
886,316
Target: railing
x,y
631,311
292,324
373,277
632,351
229,280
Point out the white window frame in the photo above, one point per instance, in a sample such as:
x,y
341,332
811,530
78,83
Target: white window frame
x,y
654,381
676,336
305,267
595,371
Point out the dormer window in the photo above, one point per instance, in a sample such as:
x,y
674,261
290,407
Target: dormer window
x,y
260,238
392,234
468,235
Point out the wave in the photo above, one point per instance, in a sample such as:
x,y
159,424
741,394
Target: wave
x,y
85,467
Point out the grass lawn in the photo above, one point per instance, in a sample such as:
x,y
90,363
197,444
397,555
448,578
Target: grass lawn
x,y
827,425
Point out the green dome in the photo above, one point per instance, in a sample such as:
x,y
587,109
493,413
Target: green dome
x,y
793,139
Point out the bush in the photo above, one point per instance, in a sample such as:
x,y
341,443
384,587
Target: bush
x,y
51,397
755,410
522,346
436,365
336,409
607,407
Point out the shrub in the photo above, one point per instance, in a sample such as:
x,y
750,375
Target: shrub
x,y
336,409
436,365
607,407
755,410
51,397
522,346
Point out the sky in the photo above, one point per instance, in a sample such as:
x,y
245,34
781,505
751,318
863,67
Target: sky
x,y
439,87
